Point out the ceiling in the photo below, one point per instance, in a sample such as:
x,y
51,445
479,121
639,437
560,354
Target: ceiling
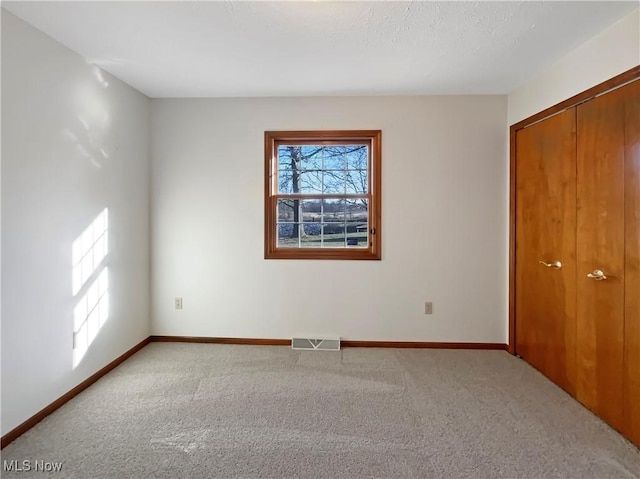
x,y
224,49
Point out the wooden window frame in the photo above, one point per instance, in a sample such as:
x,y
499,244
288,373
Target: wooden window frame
x,y
272,139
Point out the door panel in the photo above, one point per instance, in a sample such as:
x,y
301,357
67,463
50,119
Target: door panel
x,y
600,245
545,231
632,264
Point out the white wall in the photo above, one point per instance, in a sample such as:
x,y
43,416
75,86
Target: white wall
x,y
614,51
444,222
51,191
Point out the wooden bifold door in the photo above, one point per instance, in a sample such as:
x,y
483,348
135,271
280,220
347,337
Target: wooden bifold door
x,y
577,253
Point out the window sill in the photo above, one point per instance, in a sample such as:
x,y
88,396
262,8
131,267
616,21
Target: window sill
x,y
322,254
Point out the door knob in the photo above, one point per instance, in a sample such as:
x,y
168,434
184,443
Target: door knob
x,y
597,274
554,264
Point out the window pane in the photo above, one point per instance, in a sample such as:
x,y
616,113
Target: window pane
x,y
333,210
334,181
285,156
309,182
311,237
286,210
323,223
357,234
312,169
311,210
311,157
357,210
288,235
358,158
357,182
300,157
285,181
334,236
335,158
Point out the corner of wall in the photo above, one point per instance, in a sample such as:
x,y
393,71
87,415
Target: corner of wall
x,y
588,65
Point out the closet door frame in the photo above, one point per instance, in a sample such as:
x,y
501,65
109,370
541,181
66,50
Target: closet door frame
x,y
617,81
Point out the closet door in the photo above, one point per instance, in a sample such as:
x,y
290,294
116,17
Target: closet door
x,y
601,255
545,247
632,264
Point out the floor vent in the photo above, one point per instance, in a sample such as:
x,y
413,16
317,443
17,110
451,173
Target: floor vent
x,y
316,344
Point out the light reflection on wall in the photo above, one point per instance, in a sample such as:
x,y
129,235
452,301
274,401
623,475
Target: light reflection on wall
x,y
92,309
88,129
98,74
88,250
90,315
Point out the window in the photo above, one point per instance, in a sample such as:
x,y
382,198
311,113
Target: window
x,y
322,194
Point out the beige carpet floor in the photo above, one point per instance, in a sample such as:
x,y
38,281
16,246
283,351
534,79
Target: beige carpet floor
x,y
219,411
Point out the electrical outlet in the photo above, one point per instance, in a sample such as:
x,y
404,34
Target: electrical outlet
x,y
178,303
428,307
